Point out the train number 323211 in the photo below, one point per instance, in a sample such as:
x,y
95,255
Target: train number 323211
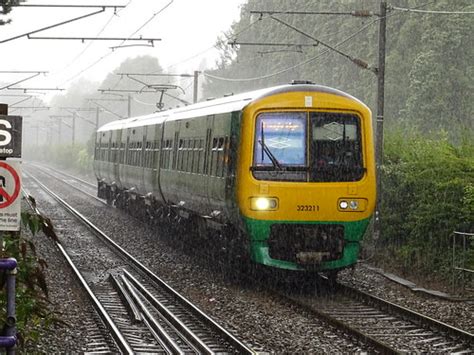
x,y
307,208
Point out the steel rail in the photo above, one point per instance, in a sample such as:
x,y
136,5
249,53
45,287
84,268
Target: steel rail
x,y
118,337
409,314
241,347
376,344
69,184
180,326
82,181
157,330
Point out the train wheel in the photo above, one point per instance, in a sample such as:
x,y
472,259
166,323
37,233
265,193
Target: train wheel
x,y
332,278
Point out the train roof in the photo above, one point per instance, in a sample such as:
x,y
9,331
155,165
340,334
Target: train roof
x,y
216,106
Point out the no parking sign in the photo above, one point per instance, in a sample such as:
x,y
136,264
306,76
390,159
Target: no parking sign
x,y
10,203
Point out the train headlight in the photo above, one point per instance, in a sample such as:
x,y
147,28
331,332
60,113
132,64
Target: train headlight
x,y
263,203
352,204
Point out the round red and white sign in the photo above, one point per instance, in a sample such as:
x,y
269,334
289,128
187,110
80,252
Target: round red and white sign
x,y
9,184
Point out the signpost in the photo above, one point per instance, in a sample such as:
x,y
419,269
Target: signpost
x,y
10,181
10,213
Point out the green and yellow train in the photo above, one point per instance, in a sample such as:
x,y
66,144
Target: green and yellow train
x,y
290,169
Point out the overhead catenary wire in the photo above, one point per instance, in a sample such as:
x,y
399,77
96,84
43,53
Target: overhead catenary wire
x,y
312,58
111,51
294,66
431,11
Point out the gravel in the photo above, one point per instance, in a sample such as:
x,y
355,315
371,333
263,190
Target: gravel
x,y
245,307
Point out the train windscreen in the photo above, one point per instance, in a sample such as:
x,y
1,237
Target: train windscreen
x,y
307,146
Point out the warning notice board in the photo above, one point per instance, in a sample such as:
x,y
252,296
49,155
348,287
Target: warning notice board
x,y
10,201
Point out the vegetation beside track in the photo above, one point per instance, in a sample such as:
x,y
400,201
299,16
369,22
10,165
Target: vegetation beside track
x,y
32,311
427,193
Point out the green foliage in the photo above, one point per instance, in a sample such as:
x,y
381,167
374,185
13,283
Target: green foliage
x,y
428,192
429,69
78,157
31,288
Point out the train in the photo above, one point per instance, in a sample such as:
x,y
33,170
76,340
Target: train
x,y
288,172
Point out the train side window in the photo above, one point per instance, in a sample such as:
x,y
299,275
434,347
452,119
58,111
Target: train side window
x,y
156,150
218,156
140,154
179,155
122,153
201,157
166,153
187,165
192,154
106,157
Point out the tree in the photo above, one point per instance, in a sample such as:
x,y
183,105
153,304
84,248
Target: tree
x,y
6,8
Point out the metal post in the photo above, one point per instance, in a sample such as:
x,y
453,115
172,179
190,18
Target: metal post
x,y
9,340
59,131
129,113
454,264
97,111
380,111
196,85
73,127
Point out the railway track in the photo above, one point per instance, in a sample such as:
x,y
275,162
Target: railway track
x,y
140,312
387,327
381,325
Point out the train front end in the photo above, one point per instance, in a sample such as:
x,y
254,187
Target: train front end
x,y
306,177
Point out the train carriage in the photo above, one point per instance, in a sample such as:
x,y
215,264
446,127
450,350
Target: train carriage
x,y
290,168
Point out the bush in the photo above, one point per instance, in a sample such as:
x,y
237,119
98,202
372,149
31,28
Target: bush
x,y
77,157
427,193
32,311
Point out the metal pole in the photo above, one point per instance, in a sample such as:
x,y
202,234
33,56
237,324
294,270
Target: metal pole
x,y
59,131
196,85
11,306
97,111
454,265
73,127
129,113
380,111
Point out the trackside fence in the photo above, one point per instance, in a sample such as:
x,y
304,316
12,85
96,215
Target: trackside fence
x,y
462,276
8,338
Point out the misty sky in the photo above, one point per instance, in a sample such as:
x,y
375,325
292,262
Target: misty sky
x,y
188,30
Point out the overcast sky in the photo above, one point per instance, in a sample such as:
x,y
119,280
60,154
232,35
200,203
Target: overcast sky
x,y
188,29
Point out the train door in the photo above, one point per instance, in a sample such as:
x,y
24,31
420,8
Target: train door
x,y
157,156
208,162
97,161
116,139
144,160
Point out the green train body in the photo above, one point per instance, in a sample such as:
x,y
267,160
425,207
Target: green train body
x,y
289,168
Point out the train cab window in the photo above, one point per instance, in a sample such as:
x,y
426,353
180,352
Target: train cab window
x,y
307,146
336,153
280,146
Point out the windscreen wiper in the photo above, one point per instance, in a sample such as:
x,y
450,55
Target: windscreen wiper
x,y
275,162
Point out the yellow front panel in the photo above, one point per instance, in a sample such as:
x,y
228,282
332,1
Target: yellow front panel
x,y
305,201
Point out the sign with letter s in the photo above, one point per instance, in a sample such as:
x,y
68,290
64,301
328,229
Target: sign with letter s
x,y
10,136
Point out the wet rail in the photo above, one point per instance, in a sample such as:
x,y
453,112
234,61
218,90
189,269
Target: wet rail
x,y
384,326
387,327
142,313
